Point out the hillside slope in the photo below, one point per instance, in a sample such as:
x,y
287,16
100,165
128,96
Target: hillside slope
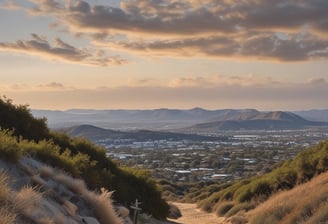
x,y
32,192
241,196
78,157
306,203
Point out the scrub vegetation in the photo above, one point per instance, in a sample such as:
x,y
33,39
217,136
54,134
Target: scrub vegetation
x,y
23,135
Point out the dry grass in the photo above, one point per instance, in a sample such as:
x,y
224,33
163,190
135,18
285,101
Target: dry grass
x,y
76,185
27,203
303,204
46,171
102,206
6,216
320,216
4,190
25,199
124,212
101,203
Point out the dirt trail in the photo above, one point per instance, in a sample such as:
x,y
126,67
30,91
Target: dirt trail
x,y
192,215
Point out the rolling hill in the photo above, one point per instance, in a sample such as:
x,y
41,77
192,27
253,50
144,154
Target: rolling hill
x,y
255,120
94,133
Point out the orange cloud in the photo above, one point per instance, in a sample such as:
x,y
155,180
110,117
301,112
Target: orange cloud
x,y
60,50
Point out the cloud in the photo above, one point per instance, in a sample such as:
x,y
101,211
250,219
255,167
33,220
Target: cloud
x,y
218,81
318,81
53,85
9,5
289,30
60,50
24,87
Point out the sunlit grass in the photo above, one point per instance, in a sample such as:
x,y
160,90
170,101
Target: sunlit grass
x,y
306,203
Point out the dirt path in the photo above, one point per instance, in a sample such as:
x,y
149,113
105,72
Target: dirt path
x,y
192,215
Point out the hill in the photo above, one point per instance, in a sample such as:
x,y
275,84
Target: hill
x,y
26,136
94,133
233,199
313,115
255,120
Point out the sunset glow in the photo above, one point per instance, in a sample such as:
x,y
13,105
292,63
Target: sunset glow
x,y
137,54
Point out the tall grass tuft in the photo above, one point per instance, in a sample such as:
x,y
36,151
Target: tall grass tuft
x,y
224,207
76,185
46,171
102,206
6,216
25,200
4,190
101,203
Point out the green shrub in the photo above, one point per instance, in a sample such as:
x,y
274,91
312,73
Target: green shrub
x,y
243,194
19,119
9,147
261,187
224,207
241,207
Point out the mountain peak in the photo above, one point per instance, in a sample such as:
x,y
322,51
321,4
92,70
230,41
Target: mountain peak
x,y
279,115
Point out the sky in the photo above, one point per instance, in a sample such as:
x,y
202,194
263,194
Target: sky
x,y
146,54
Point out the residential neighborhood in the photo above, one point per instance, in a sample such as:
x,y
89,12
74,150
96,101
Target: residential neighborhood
x,y
240,155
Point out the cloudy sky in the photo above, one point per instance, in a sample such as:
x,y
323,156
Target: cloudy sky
x,y
110,54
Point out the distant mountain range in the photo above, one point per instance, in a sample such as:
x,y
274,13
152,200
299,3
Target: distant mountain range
x,y
194,119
